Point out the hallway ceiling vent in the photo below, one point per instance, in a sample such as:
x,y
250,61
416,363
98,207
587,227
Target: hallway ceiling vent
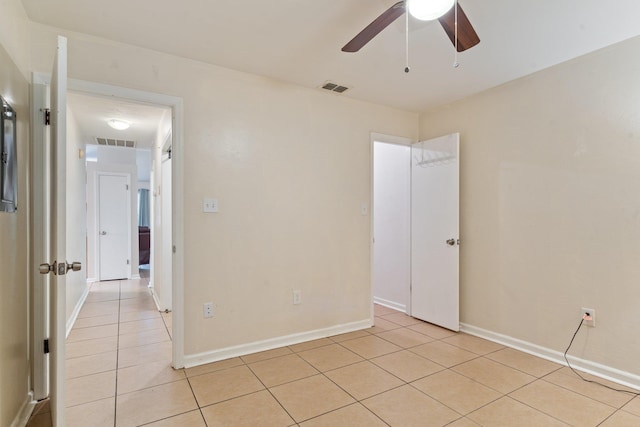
x,y
116,142
334,87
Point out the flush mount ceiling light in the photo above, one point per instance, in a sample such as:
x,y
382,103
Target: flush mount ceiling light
x,y
118,124
427,10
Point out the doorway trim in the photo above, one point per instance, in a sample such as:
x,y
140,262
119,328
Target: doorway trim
x,y
177,186
39,291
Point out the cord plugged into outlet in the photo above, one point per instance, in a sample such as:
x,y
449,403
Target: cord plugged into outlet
x,y
590,313
588,316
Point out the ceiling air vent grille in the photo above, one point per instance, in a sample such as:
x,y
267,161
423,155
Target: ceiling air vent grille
x,y
116,142
334,87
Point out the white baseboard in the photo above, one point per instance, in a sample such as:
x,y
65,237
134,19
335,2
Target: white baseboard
x,y
92,280
606,372
135,277
22,417
390,304
155,298
76,310
269,344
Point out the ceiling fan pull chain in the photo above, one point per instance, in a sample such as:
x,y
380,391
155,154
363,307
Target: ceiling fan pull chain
x,y
456,64
406,42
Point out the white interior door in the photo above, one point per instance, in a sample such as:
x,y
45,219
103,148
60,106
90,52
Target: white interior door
x,y
435,231
57,180
114,226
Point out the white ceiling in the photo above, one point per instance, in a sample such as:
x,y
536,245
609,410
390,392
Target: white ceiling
x,y
299,41
92,113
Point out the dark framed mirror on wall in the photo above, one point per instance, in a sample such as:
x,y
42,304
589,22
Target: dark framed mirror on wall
x,y
8,161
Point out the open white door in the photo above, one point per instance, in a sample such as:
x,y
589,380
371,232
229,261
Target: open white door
x,y
435,231
58,267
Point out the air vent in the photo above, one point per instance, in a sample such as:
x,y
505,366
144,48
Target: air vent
x,y
116,142
334,87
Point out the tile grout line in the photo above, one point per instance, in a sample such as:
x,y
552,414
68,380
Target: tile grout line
x,y
484,356
461,416
268,389
410,383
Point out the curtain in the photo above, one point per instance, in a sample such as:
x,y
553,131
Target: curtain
x,y
143,207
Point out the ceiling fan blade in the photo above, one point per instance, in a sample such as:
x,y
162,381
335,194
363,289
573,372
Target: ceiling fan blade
x,y
372,30
467,37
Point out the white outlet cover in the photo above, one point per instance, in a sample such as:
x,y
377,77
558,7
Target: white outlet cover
x,y
210,205
207,310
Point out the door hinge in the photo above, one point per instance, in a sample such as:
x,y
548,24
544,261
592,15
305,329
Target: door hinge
x,y
127,262
47,117
127,185
174,249
46,346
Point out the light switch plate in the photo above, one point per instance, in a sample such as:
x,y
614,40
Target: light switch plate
x,y
209,205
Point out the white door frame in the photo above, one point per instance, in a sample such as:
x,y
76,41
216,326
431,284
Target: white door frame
x,y
40,298
40,223
166,281
177,181
400,141
127,176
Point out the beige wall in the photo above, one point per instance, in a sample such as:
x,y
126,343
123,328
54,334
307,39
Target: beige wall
x,y
14,283
15,35
290,167
76,239
550,206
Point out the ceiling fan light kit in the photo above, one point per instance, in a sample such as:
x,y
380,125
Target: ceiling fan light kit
x,y
452,18
428,10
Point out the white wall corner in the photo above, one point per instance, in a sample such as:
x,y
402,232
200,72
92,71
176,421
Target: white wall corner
x,y
606,372
269,344
22,417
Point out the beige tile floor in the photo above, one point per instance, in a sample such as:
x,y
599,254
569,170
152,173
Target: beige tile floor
x,y
402,372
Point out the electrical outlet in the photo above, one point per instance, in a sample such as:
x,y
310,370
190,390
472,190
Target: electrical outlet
x,y
591,313
297,297
207,309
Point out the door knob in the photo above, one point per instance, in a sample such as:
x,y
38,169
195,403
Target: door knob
x,y
55,268
104,233
74,266
46,268
451,242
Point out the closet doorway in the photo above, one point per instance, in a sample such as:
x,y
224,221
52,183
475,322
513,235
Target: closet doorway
x,y
415,242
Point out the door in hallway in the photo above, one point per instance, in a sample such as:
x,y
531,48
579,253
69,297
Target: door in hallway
x,y
56,269
114,216
434,231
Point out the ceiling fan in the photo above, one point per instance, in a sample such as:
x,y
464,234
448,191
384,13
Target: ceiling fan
x,y
445,11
